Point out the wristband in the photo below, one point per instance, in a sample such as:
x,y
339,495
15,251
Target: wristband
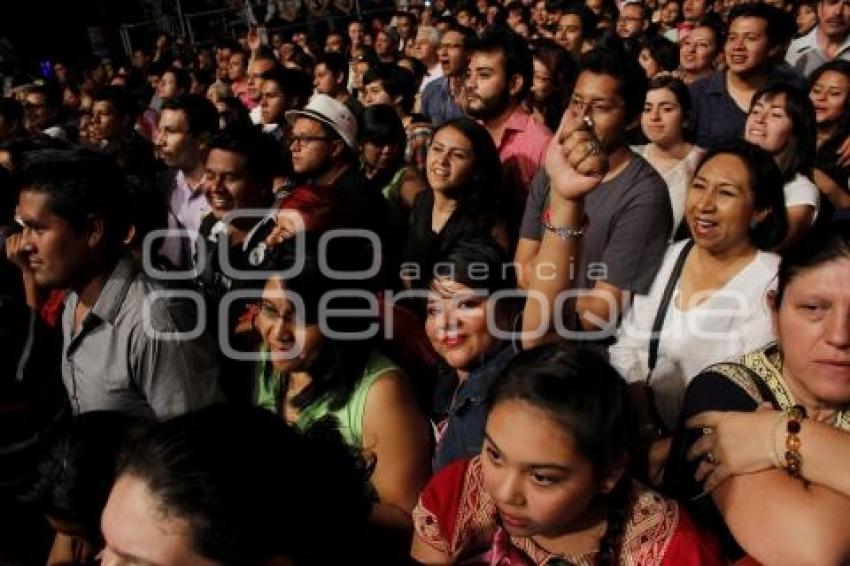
x,y
793,458
563,232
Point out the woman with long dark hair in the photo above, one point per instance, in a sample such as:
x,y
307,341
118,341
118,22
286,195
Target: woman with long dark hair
x,y
666,122
782,122
464,174
549,484
555,73
316,361
829,91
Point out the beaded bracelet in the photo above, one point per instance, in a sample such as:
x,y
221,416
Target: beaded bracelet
x,y
793,458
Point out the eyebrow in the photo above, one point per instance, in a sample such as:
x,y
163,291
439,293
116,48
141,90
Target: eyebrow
x,y
719,184
534,466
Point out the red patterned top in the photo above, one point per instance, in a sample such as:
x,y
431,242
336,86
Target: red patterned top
x,y
456,516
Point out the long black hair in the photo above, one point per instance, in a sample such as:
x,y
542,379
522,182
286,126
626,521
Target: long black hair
x,y
580,390
339,366
798,106
563,70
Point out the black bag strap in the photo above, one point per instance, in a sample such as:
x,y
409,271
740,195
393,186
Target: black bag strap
x,y
661,314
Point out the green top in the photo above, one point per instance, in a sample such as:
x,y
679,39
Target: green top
x,y
267,388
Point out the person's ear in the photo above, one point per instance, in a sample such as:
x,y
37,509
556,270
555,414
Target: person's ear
x,y
772,300
95,230
515,85
615,473
337,147
203,141
130,236
775,51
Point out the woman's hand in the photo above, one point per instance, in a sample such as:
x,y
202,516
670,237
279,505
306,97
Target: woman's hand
x,y
734,443
575,160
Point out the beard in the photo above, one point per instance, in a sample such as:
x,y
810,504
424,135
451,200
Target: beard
x,y
488,108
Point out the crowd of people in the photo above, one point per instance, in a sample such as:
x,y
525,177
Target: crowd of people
x,y
524,282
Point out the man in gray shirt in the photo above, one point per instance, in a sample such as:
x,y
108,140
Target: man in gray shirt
x,y
127,345
628,216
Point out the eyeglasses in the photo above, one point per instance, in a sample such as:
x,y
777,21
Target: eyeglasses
x,y
595,107
305,140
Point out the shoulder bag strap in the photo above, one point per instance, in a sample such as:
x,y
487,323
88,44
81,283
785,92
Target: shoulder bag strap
x,y
661,314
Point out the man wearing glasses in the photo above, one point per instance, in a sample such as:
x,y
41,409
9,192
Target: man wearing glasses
x,y
330,191
440,98
628,216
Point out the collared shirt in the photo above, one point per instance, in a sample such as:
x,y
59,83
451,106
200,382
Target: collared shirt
x,y
717,116
805,55
433,74
187,206
438,102
462,431
522,150
124,356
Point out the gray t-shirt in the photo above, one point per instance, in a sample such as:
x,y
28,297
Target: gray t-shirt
x,y
629,217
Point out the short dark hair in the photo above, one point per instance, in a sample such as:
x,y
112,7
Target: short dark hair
x,y
800,110
396,81
631,80
201,467
181,77
779,25
469,35
262,155
517,5
11,110
78,183
201,114
515,52
77,469
715,24
823,244
683,97
120,99
294,83
50,91
663,51
588,18
766,186
337,64
381,123
264,53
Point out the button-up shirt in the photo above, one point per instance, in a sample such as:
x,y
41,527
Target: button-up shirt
x,y
805,55
187,206
127,356
438,102
522,150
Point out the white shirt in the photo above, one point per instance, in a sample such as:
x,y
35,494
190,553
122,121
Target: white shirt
x,y
678,178
734,320
801,191
805,55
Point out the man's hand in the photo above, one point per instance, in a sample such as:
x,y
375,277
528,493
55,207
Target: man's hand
x,y
15,252
575,160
